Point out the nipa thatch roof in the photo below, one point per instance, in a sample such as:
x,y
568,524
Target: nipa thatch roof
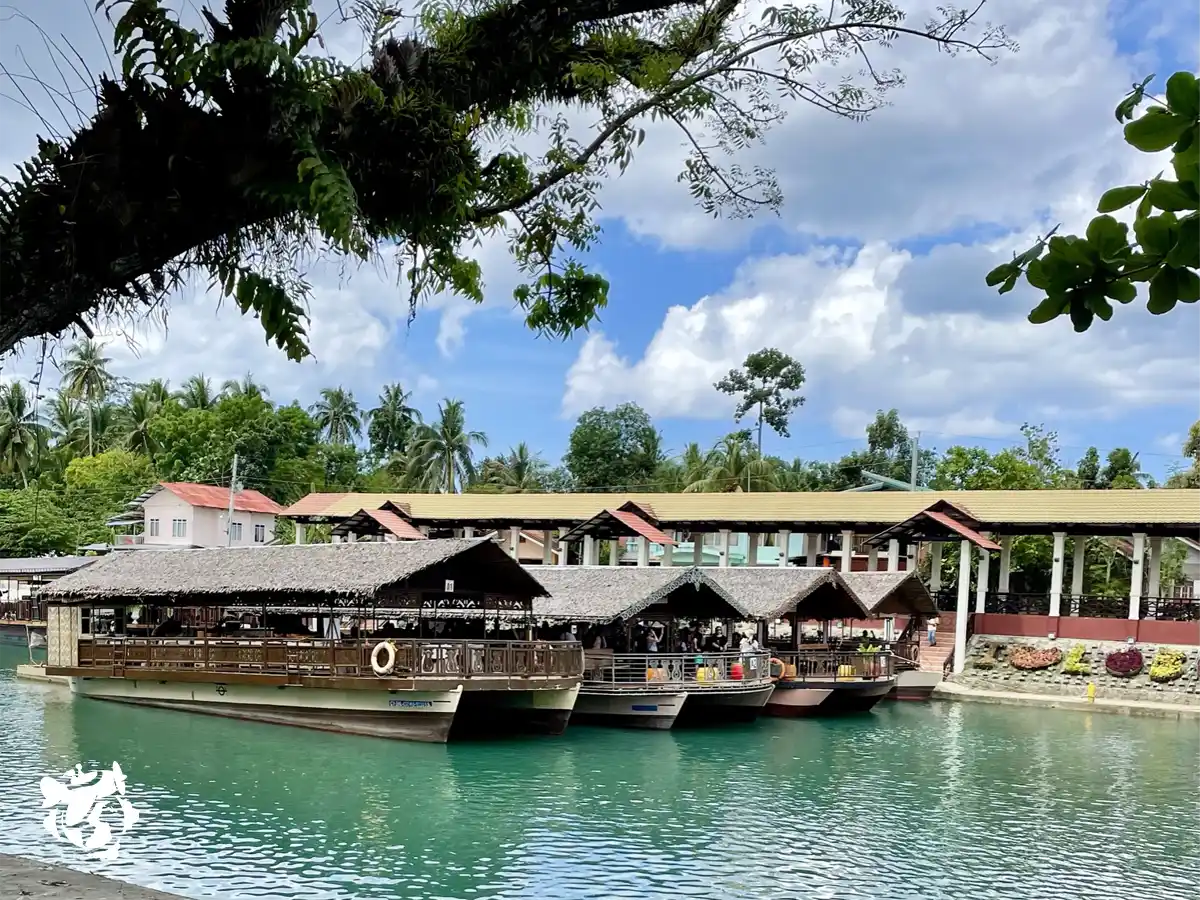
x,y
769,592
359,571
608,593
890,593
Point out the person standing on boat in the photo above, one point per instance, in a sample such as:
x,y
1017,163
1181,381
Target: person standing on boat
x,y
651,640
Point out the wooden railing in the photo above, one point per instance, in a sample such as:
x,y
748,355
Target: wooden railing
x,y
347,658
831,664
676,671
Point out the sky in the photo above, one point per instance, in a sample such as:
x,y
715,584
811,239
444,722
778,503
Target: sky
x,y
871,275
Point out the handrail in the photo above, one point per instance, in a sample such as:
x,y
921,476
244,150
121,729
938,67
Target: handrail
x,y
675,671
838,664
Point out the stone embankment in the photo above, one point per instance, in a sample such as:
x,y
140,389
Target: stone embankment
x,y
33,880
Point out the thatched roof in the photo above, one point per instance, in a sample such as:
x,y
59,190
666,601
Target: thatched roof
x,y
290,574
608,593
769,592
890,593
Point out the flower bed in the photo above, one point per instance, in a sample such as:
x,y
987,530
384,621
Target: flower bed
x,y
1076,662
1124,663
1167,666
1031,658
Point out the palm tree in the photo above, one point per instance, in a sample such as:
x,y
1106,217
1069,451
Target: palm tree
x,y
735,465
246,387
135,421
337,415
86,377
196,393
67,422
103,421
520,472
440,458
157,389
21,435
392,422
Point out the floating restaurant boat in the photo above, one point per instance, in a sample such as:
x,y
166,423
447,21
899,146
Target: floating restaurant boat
x,y
140,628
628,687
22,614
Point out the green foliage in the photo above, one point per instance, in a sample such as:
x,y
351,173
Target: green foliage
x,y
32,524
1167,665
613,450
768,382
1080,276
1076,661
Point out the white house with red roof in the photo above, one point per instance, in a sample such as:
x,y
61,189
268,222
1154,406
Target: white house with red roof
x,y
178,515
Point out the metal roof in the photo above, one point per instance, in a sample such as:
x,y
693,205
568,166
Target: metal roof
x,y
43,565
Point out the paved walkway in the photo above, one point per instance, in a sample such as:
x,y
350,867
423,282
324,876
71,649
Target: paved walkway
x,y
948,690
31,880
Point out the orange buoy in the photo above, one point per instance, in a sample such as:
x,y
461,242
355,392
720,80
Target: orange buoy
x,y
737,672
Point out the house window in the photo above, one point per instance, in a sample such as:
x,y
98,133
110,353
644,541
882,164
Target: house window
x,y
260,534
235,531
154,528
179,528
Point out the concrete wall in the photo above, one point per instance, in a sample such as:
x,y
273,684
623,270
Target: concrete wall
x,y
1089,629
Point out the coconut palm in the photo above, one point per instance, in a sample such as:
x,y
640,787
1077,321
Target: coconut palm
x,y
135,419
68,422
392,422
440,458
103,425
337,415
157,389
86,377
520,472
196,393
21,434
244,387
734,464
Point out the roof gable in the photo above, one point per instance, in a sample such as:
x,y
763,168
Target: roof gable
x,y
211,496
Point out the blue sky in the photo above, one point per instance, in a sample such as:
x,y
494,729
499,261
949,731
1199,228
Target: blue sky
x,y
871,276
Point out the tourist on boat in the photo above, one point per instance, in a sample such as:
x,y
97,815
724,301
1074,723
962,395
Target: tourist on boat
x,y
651,640
567,635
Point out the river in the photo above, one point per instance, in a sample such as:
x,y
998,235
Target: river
x,y
932,800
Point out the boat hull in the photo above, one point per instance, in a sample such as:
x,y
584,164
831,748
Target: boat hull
x,y
398,715
717,707
629,709
915,685
499,713
34,672
814,698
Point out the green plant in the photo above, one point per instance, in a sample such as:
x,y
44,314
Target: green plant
x,y
1167,665
1124,663
1031,658
870,648
1076,661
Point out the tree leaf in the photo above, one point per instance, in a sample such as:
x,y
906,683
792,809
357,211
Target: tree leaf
x,y
1120,197
1075,251
1049,309
1100,306
1187,285
1155,131
1183,95
1036,276
1164,292
1108,237
1081,312
1170,196
1186,252
1155,234
1122,291
1000,273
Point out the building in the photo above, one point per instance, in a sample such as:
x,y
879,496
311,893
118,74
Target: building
x,y
180,515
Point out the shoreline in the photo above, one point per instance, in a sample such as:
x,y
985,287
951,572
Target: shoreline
x,y
948,690
38,880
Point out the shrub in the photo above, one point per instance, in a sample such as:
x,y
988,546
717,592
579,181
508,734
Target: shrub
x,y
1167,665
1025,657
1124,663
1076,662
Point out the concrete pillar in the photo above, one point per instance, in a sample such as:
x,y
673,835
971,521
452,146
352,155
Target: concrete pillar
x,y
1155,576
547,547
723,562
589,550
810,549
893,555
668,554
1005,563
614,553
873,559
935,567
697,549
351,537
847,550
911,555
889,629
963,609
752,549
563,546
1135,580
335,539
469,531
514,542
643,545
300,532
785,538
982,580
1056,572
1078,564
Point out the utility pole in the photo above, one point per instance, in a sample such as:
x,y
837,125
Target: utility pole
x,y
233,486
915,462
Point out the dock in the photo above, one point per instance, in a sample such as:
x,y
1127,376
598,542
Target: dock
x,y
41,881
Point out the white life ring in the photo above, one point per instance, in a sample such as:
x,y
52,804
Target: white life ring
x,y
387,667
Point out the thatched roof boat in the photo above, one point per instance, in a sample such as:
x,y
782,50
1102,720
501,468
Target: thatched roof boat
x,y
769,592
890,593
609,593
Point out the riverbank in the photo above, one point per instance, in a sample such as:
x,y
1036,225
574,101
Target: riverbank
x,y
42,881
948,690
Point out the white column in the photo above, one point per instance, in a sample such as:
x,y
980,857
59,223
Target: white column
x,y
1077,568
668,554
563,546
1153,581
1005,563
785,538
911,565
514,542
547,547
889,629
351,537
847,550
752,549
1056,572
873,559
810,549
935,567
723,562
697,549
335,539
589,550
964,608
643,546
981,580
469,531
614,553
300,532
893,555
1135,580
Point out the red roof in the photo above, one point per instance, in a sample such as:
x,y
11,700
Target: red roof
x,y
959,528
396,525
640,526
210,496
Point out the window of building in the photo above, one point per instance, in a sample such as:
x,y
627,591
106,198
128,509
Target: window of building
x,y
235,531
154,528
260,534
179,528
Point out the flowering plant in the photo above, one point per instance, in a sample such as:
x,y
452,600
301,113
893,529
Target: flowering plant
x,y
1167,665
1076,662
1124,663
1025,657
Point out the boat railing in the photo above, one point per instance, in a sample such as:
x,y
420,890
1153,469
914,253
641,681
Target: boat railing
x,y
675,671
414,658
857,665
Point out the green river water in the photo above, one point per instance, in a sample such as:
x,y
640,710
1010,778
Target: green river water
x,y
931,800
